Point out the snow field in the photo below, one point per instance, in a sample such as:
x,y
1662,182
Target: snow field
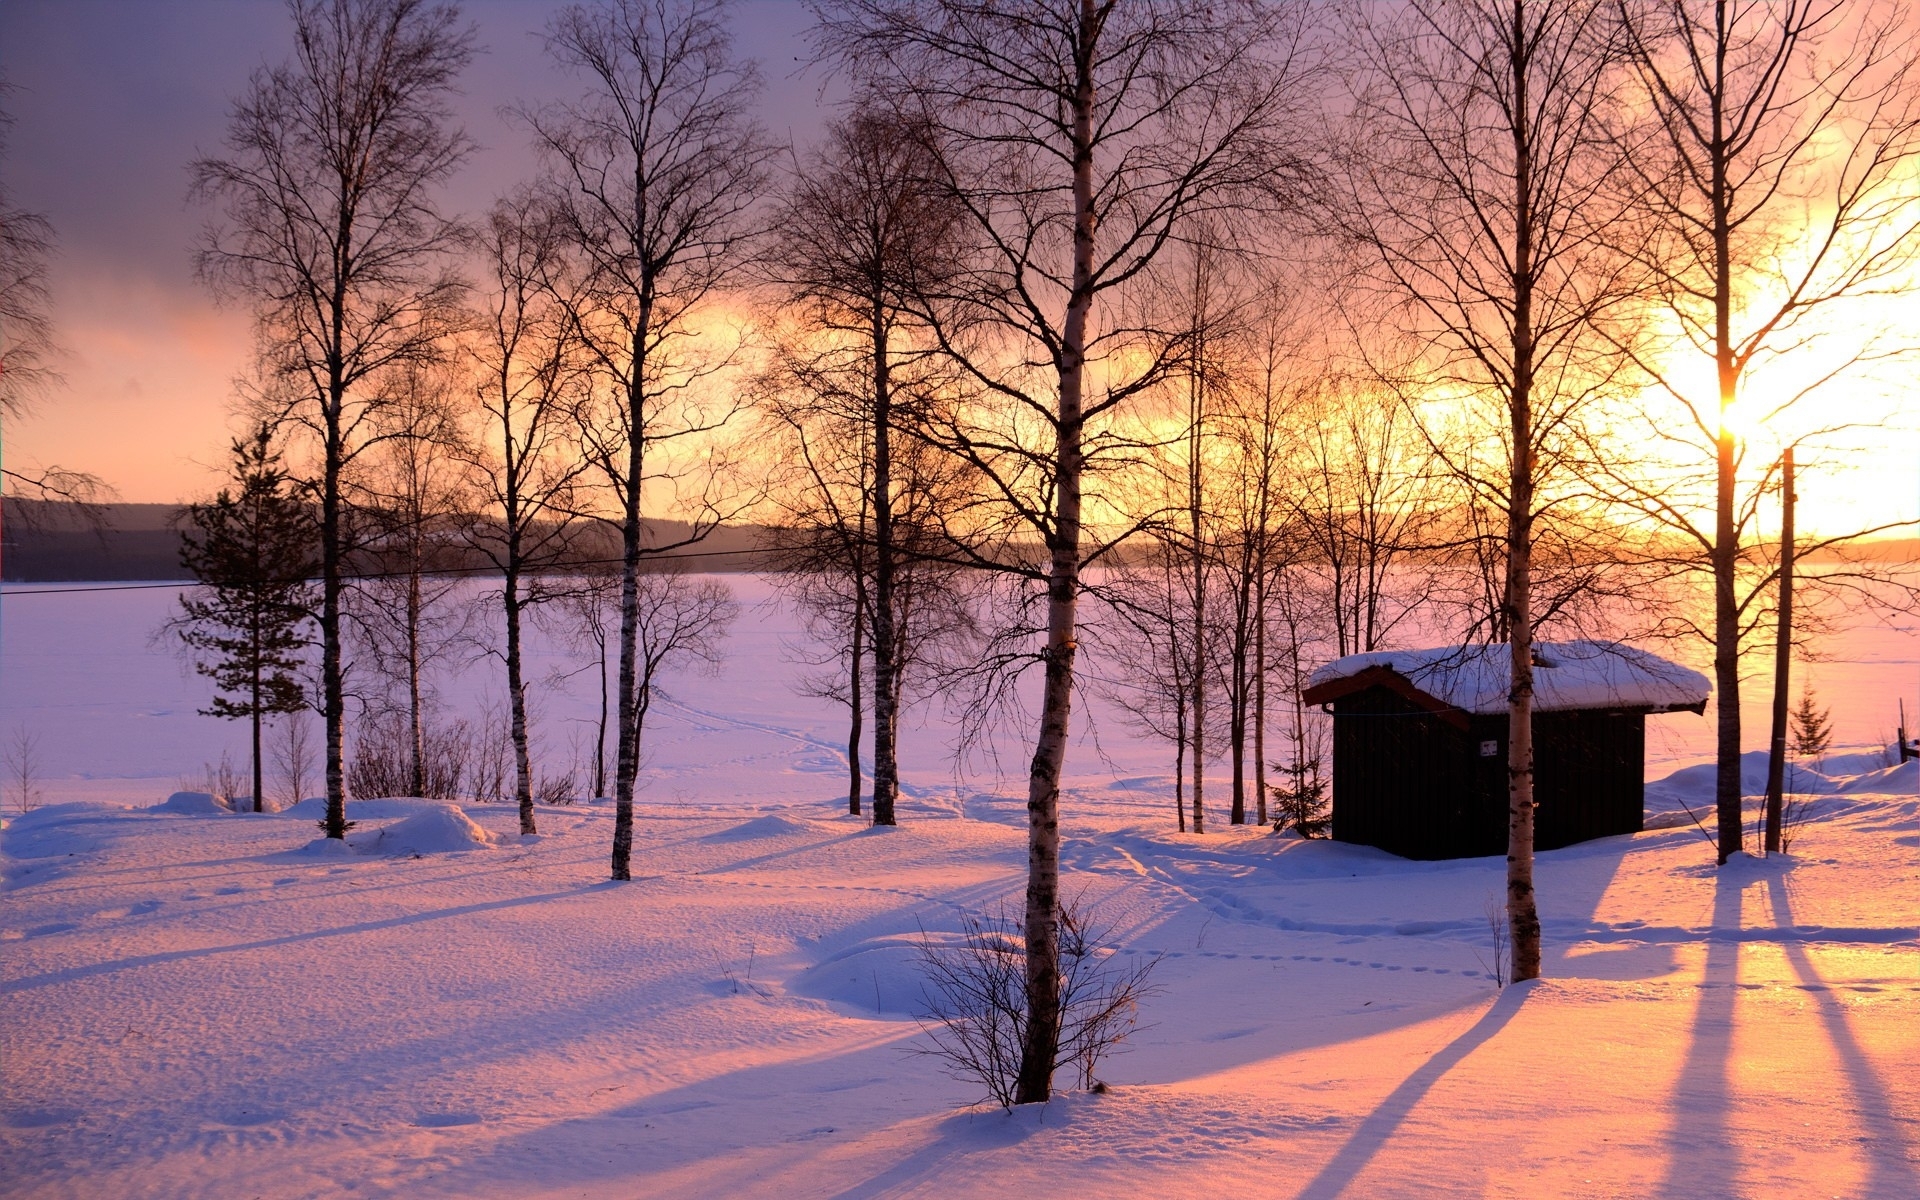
x,y
196,1003
198,1007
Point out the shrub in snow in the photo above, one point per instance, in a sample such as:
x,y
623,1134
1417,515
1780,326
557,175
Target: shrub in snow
x,y
458,758
977,1006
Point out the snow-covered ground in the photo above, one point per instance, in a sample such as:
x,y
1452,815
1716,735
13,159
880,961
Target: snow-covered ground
x,y
203,1004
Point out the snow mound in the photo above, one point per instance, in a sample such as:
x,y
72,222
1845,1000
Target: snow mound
x,y
326,847
1693,785
1902,780
1860,762
884,975
772,825
441,829
195,804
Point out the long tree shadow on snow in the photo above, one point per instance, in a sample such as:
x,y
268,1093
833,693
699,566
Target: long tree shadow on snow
x,y
1379,1126
1701,1150
90,970
1888,1153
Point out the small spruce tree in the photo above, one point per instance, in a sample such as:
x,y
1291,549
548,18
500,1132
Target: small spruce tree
x,y
251,547
1812,728
1301,803
1809,732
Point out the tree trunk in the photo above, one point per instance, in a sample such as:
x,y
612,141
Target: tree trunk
x,y
1237,733
886,688
517,688
1782,660
1260,678
333,699
416,720
255,715
1199,566
1180,762
627,765
600,729
856,702
1042,1041
1726,549
1523,915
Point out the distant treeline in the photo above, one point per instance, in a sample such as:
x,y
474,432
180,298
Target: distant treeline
x,y
53,541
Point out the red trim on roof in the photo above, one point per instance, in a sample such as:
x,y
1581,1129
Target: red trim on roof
x,y
1393,681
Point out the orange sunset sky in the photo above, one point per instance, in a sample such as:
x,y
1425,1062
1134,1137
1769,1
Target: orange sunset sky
x,y
116,97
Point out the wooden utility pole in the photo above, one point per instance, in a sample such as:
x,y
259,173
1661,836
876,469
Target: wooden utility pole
x,y
1782,658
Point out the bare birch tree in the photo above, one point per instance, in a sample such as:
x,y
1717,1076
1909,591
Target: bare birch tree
x,y
865,227
527,380
330,231
28,348
1148,676
1482,185
654,170
682,625
1364,506
1778,203
1079,136
409,505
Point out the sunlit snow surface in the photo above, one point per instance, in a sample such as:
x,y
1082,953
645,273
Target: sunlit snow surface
x,y
202,1004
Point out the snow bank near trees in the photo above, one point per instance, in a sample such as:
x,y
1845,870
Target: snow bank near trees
x,y
437,829
1694,785
1843,775
883,976
740,1020
193,804
769,826
1903,780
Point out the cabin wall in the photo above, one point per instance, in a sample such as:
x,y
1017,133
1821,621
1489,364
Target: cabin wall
x,y
1410,783
1589,772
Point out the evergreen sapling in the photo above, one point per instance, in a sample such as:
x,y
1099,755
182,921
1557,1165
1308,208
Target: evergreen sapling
x,y
251,548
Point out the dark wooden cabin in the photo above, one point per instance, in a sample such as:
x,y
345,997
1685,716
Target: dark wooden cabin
x,y
1420,744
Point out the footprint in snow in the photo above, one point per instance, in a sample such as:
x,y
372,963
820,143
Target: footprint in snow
x,y
38,1118
133,910
446,1120
812,1134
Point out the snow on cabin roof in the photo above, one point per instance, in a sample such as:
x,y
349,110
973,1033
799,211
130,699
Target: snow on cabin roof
x,y
1567,675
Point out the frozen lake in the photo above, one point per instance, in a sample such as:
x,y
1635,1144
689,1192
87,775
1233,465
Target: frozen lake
x,y
114,708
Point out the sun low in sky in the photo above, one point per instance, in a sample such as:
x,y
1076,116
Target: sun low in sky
x,y
113,101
